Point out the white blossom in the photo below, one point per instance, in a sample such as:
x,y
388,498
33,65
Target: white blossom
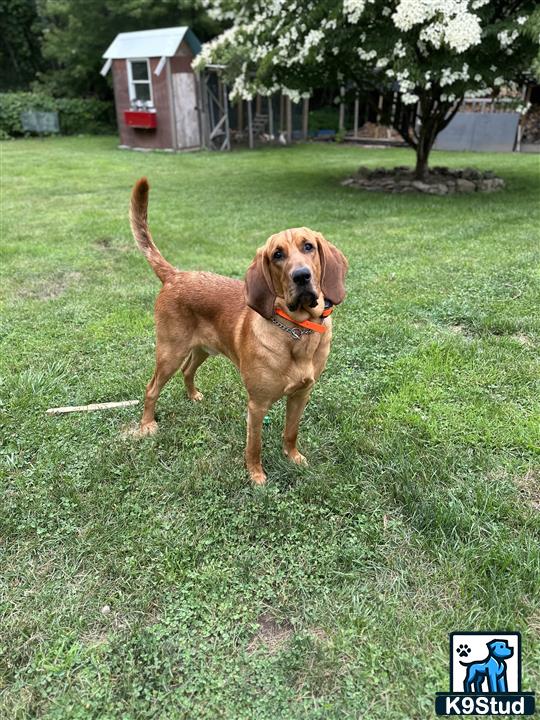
x,y
506,38
295,95
409,98
367,55
463,31
523,109
399,49
353,9
447,21
277,38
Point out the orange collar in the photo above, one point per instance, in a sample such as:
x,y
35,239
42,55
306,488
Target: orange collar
x,y
315,327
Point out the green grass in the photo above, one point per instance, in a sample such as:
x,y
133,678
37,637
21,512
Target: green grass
x,y
329,593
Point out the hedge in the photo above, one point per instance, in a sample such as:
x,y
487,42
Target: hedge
x,y
325,118
76,115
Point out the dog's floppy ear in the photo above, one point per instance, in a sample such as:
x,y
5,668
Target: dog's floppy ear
x,y
334,267
259,290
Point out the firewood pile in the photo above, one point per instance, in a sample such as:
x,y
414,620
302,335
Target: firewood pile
x,y
379,132
531,126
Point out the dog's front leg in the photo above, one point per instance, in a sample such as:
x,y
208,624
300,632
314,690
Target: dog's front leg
x,y
256,411
493,681
296,404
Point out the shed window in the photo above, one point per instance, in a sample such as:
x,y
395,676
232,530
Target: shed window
x,y
140,84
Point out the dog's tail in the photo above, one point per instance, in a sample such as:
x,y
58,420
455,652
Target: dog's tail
x,y
138,218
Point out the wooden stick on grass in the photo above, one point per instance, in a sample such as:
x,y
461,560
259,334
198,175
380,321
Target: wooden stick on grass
x,y
89,408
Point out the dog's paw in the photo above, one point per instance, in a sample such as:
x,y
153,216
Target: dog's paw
x,y
136,430
196,396
463,650
150,428
258,476
296,457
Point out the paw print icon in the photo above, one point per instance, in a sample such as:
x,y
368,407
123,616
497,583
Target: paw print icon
x,y
463,650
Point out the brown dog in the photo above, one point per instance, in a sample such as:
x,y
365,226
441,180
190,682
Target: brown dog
x,y
274,327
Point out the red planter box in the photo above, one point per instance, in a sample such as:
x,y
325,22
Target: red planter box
x,y
140,119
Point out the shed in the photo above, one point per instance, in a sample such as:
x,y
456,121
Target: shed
x,y
155,89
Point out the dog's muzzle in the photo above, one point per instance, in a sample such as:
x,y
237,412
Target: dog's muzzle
x,y
304,296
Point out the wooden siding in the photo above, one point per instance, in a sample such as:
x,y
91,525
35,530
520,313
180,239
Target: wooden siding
x,y
163,136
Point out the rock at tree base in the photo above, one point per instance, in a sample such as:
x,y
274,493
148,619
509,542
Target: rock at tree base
x,y
438,181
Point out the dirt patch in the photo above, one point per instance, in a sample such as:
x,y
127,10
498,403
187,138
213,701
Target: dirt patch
x,y
50,288
529,488
95,639
271,635
534,622
469,333
461,330
522,339
319,634
107,244
104,243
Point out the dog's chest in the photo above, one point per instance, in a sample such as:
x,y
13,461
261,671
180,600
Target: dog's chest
x,y
306,362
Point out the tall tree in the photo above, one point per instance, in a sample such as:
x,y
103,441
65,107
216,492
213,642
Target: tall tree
x,y
20,43
77,33
432,52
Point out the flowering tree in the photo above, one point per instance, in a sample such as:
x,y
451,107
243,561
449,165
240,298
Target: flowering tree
x,y
432,52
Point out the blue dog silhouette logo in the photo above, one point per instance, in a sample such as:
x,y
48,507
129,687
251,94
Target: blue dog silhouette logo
x,y
492,668
485,676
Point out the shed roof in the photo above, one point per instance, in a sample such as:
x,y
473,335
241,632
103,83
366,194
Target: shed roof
x,y
151,43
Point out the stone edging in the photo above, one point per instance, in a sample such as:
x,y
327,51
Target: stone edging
x,y
439,181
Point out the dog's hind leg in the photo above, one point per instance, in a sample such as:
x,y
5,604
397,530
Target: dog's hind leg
x,y
478,684
166,366
470,678
194,360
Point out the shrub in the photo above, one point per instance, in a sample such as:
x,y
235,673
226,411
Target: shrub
x,y
325,118
76,115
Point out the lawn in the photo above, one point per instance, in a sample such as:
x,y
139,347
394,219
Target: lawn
x,y
147,578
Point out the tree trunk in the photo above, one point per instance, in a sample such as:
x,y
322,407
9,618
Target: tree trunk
x,y
434,116
435,119
428,133
421,168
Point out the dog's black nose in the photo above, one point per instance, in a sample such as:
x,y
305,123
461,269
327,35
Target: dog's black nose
x,y
301,276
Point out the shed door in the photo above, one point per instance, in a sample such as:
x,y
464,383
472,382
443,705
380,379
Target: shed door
x,y
185,112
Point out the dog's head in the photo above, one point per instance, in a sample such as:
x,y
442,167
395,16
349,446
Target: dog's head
x,y
499,649
300,266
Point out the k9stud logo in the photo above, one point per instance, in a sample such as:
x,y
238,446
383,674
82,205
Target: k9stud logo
x,y
485,676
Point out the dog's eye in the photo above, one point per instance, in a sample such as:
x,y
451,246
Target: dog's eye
x,y
278,255
308,247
